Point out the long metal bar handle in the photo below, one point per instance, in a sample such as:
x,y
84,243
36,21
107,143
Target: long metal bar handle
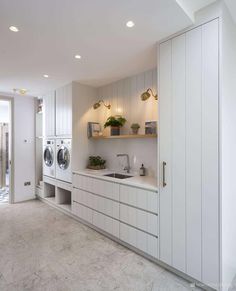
x,y
164,174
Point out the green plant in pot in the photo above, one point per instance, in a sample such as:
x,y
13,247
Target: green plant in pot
x,y
135,127
96,163
115,122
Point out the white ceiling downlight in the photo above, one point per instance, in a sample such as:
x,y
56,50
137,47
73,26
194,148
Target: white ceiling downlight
x,y
14,28
130,24
46,76
77,57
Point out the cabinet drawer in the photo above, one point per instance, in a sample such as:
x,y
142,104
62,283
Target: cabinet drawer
x,y
97,186
138,218
141,240
82,212
101,204
140,198
106,223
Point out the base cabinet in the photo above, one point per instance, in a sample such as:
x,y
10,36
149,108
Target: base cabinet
x,y
127,213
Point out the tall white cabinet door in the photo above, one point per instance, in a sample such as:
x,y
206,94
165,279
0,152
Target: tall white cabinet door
x,y
165,136
49,114
210,168
188,134
193,152
64,111
178,163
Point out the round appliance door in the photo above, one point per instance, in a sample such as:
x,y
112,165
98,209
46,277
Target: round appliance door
x,y
63,158
48,156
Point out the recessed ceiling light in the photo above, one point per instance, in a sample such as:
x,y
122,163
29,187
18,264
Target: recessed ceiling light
x,y
130,24
14,28
45,76
77,57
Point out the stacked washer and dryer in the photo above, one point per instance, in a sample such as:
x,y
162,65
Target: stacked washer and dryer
x,y
57,159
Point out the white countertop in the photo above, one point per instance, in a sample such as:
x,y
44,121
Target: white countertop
x,y
144,182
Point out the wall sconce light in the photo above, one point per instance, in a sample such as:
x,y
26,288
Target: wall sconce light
x,y
98,104
147,94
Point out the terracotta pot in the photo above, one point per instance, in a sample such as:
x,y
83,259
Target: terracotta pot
x,y
115,130
135,130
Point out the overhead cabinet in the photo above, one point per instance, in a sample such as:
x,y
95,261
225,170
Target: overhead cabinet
x,y
64,111
189,153
49,114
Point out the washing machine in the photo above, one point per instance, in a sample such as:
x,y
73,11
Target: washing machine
x,y
49,156
63,160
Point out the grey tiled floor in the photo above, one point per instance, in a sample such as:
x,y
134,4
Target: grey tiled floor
x,y
43,249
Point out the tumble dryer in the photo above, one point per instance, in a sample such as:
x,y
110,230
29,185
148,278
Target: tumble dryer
x,y
63,163
49,154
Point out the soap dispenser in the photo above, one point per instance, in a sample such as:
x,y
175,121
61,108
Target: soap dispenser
x,y
142,171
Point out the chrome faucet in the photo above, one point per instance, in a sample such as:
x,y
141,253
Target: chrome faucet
x,y
126,168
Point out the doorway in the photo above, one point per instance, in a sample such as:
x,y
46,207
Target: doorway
x,y
5,151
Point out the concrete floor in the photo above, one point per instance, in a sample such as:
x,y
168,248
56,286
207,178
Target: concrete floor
x,y
43,249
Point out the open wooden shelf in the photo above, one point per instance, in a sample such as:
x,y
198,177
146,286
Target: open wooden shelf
x,y
125,136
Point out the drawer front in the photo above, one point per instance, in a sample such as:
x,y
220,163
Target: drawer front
x,y
82,212
106,223
140,198
138,218
141,240
97,186
106,206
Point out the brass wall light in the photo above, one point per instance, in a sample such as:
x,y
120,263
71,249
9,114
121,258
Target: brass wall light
x,y
147,94
98,104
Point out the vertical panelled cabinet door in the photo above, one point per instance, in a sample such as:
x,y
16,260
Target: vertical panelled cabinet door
x,y
64,111
49,114
188,151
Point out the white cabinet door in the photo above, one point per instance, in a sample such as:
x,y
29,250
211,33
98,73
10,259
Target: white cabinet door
x,y
64,111
49,114
188,96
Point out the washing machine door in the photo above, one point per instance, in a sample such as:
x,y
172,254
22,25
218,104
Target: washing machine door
x,y
63,158
48,156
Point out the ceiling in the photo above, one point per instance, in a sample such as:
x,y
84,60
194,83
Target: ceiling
x,y
53,31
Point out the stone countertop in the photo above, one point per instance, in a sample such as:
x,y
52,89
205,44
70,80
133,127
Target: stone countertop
x,y
144,182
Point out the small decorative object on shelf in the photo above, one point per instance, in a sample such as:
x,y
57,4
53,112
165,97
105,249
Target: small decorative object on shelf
x,y
115,122
142,171
135,127
150,127
94,129
96,163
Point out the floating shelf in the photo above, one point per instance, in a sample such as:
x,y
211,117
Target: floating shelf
x,y
125,136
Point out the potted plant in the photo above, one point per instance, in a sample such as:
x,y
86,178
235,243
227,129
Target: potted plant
x,y
96,163
135,127
115,122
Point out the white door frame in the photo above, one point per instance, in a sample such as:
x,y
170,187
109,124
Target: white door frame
x,y
11,140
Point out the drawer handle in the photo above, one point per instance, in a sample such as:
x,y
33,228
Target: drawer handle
x,y
164,174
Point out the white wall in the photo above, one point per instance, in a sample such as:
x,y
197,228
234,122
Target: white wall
x,y
228,151
124,97
24,148
4,112
82,101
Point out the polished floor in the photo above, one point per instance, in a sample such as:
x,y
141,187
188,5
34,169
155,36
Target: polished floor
x,y
43,249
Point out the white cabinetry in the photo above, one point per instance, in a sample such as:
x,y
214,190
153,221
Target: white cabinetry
x,y
188,132
49,114
128,213
64,111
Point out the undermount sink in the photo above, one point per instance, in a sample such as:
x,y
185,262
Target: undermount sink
x,y
118,176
